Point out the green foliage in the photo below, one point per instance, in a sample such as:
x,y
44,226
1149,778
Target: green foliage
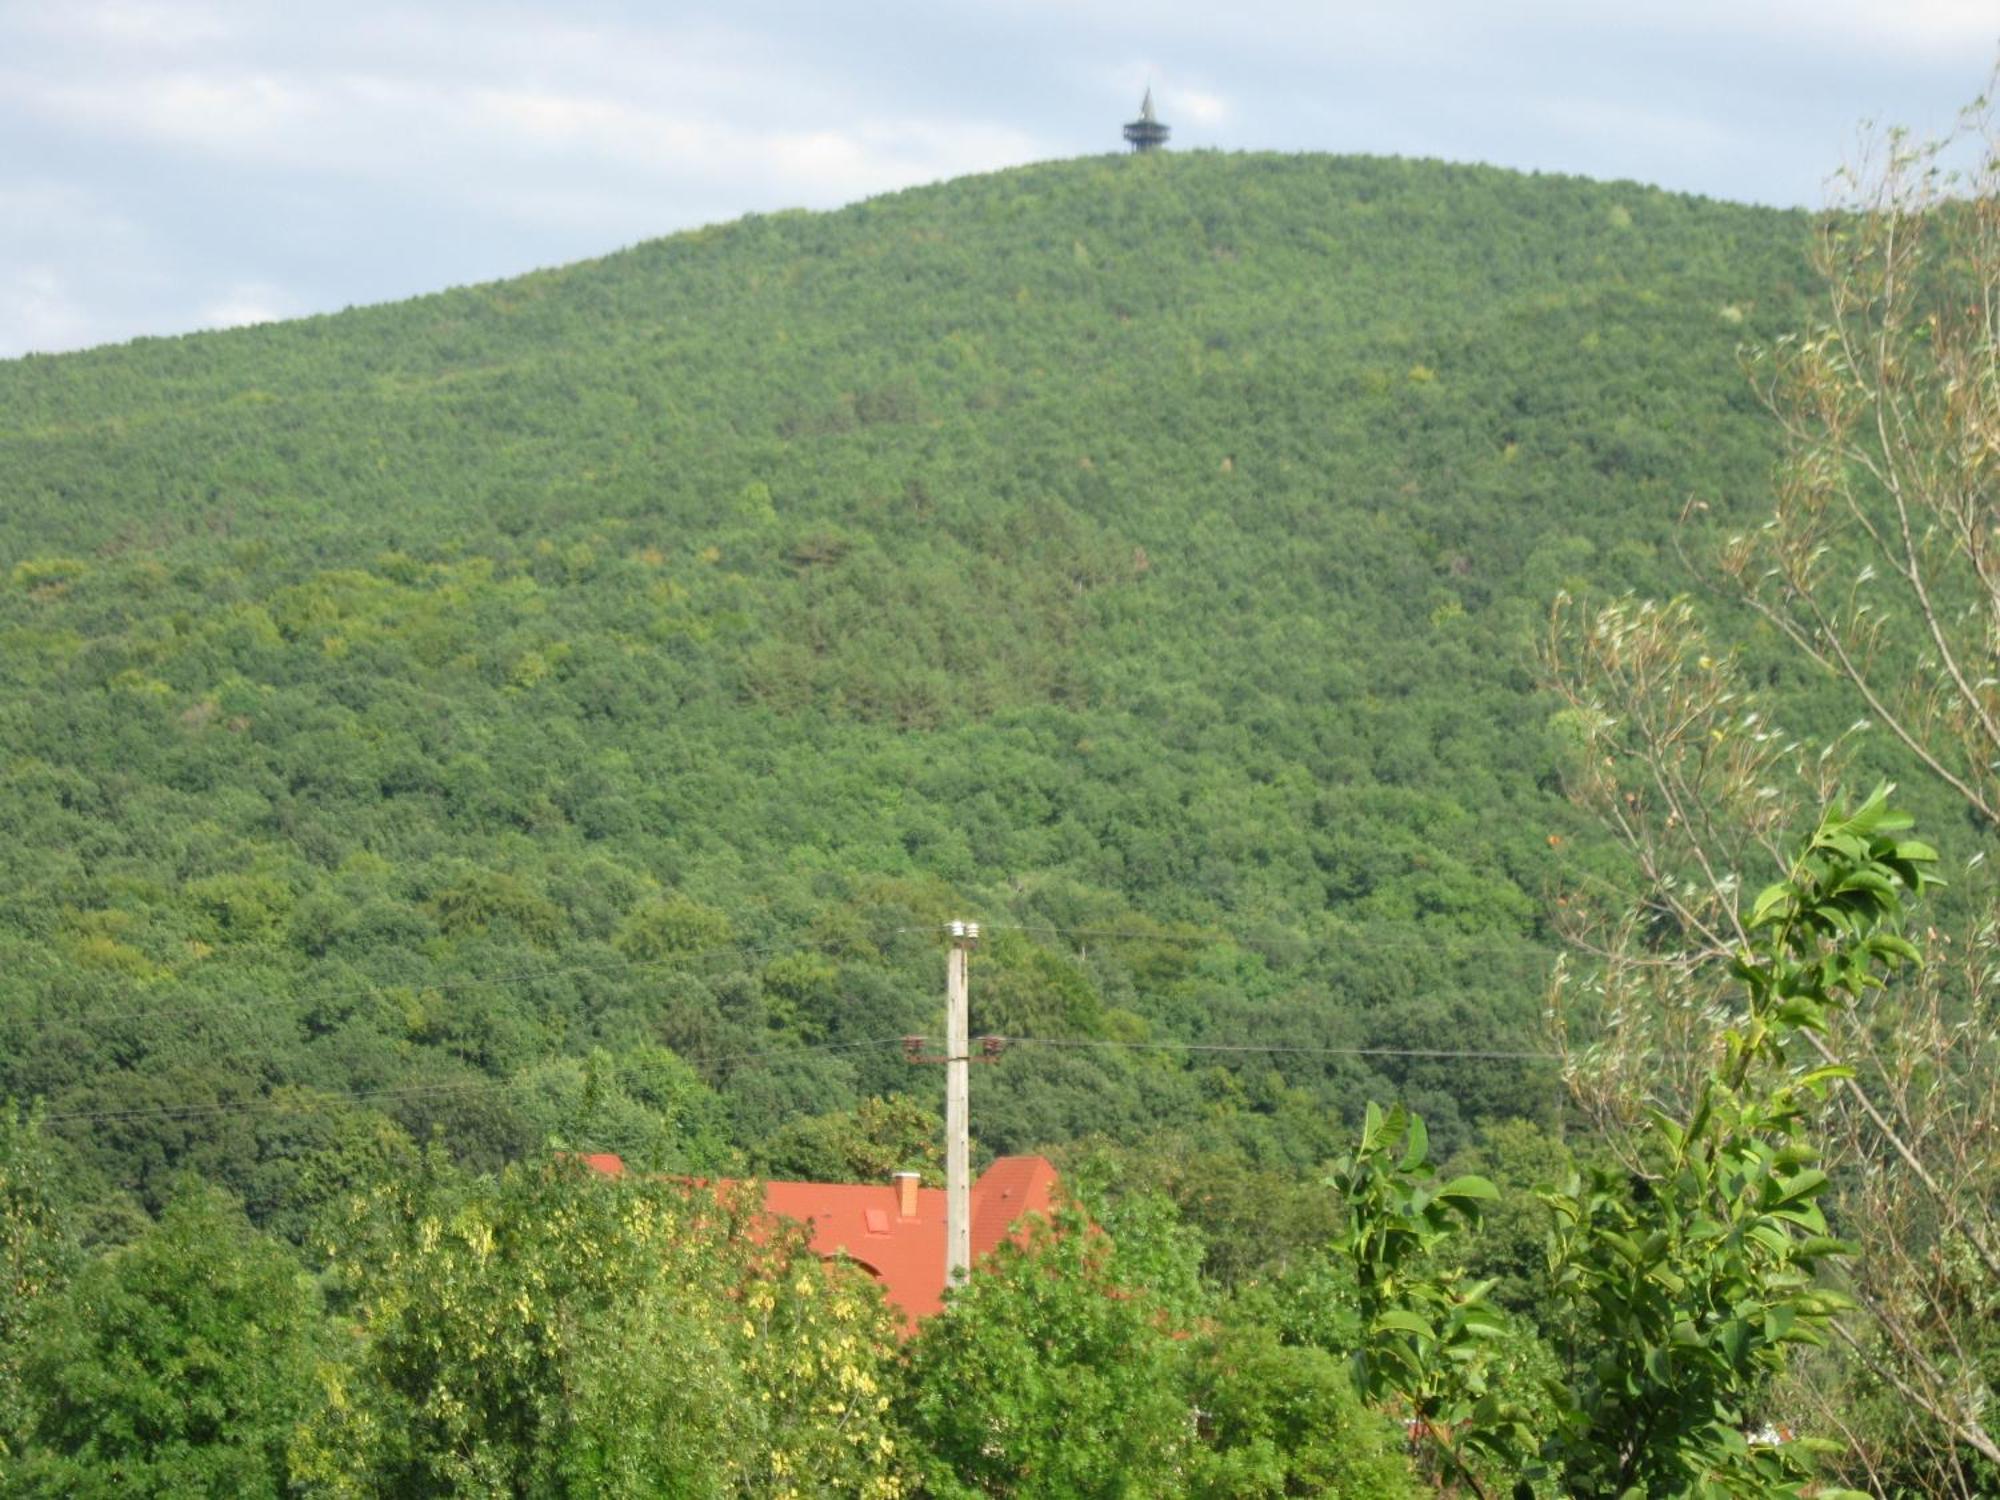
x,y
1522,1160
310,1154
1093,1361
1424,1335
175,1366
660,929
1050,1374
476,900
1828,925
1691,1287
36,1252
868,1143
1283,1419
1255,1221
1682,1285
631,655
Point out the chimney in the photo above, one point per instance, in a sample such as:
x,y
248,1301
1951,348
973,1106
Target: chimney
x,y
906,1194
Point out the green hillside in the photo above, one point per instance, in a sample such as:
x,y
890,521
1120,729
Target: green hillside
x,y
562,710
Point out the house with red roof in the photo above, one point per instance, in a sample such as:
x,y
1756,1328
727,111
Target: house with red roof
x,y
895,1231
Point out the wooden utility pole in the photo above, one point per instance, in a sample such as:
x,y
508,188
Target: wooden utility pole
x,y
958,1104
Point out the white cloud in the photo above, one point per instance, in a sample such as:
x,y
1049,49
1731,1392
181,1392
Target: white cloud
x,y
246,304
232,115
39,311
1963,32
520,97
1612,126
152,25
1198,107
63,251
766,163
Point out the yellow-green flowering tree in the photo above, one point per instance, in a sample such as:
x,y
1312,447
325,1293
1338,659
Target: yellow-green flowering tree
x,y
547,1333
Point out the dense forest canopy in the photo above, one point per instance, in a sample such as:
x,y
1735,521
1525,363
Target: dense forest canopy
x,y
560,711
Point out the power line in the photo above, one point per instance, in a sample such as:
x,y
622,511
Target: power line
x,y
1436,945
741,951
1278,1048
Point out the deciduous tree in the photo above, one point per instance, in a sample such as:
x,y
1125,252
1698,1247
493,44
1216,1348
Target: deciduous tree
x,y
173,1366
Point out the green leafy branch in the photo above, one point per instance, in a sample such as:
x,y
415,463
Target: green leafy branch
x,y
1689,1286
1425,1336
1682,1288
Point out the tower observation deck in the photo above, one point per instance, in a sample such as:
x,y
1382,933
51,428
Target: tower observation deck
x,y
1146,133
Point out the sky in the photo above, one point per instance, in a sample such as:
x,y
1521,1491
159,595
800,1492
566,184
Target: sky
x,y
169,165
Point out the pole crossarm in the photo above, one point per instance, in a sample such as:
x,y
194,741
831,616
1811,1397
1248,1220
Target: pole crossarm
x,y
989,1050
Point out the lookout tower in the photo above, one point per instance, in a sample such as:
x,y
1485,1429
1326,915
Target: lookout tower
x,y
1146,133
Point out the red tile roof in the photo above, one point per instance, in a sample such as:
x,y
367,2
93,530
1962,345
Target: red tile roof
x,y
1011,1187
905,1254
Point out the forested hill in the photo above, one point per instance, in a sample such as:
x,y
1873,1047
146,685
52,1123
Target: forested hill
x,y
561,710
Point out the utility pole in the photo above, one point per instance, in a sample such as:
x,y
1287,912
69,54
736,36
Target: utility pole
x,y
957,1059
958,1104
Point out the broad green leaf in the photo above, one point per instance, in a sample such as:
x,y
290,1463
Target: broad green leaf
x,y
1769,900
1805,1184
1403,1321
1470,1187
1419,1144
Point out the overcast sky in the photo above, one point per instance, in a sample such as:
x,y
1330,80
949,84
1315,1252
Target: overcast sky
x,y
175,164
